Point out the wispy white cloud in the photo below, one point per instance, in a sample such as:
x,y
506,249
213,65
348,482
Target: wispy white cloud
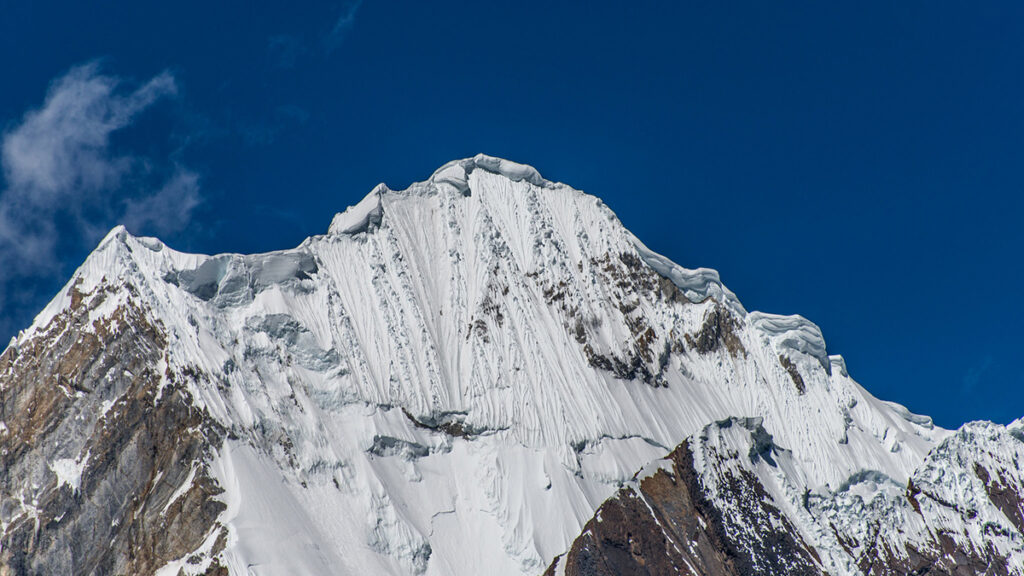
x,y
61,149
65,184
975,373
168,210
343,25
286,50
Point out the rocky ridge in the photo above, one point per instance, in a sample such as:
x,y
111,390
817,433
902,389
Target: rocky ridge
x,y
728,501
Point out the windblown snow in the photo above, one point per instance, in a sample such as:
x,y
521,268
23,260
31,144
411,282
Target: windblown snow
x,y
454,378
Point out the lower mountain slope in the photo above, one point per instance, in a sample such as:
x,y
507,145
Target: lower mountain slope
x,y
730,501
450,381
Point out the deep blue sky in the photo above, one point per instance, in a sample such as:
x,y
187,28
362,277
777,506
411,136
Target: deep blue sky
x,y
857,163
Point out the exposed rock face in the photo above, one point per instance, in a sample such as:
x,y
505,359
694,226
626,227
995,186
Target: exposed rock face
x,y
719,330
665,524
717,505
102,460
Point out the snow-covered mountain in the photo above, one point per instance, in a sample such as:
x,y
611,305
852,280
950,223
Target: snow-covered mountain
x,y
453,380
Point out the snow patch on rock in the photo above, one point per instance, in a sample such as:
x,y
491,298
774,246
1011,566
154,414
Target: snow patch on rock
x,y
69,471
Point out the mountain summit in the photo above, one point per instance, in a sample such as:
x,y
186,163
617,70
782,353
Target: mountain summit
x,y
454,379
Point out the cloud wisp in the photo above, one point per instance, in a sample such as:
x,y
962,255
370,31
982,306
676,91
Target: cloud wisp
x,y
342,26
62,148
975,373
66,184
168,209
286,50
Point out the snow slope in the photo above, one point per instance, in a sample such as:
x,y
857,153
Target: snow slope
x,y
456,375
